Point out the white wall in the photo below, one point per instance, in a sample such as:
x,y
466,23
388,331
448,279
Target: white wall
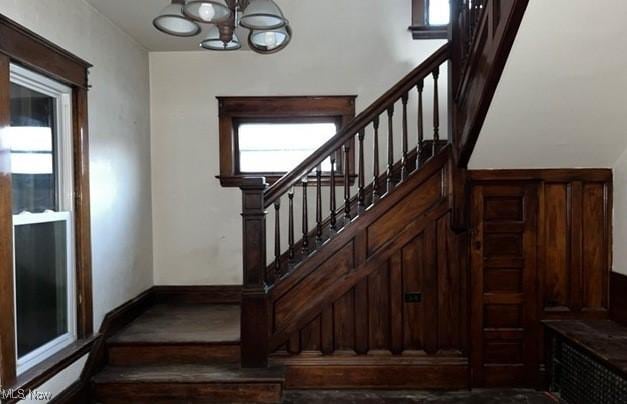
x,y
620,214
119,125
340,47
560,102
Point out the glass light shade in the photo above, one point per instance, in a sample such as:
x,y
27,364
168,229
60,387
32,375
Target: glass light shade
x,y
213,41
172,21
262,15
270,41
207,11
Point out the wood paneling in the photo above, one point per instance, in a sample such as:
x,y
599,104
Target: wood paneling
x,y
549,228
381,293
618,297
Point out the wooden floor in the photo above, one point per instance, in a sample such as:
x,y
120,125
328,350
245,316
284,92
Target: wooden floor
x,y
198,323
519,396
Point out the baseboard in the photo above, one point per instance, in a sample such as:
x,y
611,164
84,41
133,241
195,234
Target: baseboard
x,y
76,393
618,297
215,294
372,372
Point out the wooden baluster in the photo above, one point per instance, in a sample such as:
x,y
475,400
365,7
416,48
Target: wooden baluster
x,y
421,129
333,220
376,192
390,179
347,189
404,161
305,218
277,239
290,233
436,112
361,197
319,204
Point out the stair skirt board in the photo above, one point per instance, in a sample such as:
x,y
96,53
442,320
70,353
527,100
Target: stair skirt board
x,y
367,372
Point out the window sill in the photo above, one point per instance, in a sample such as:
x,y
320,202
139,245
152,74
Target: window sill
x,y
39,374
237,180
429,32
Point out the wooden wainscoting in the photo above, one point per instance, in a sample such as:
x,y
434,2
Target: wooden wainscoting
x,y
618,297
540,250
384,304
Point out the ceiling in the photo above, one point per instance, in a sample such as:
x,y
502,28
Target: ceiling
x,y
135,18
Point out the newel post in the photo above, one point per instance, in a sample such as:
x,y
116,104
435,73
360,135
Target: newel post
x,y
255,316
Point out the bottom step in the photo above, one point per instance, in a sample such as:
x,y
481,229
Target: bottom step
x,y
188,384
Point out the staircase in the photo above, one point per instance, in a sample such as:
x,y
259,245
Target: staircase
x,y
361,284
364,283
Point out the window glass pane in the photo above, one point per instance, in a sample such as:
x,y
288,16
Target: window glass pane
x,y
40,284
279,147
32,143
439,12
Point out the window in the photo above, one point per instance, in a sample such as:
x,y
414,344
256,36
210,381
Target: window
x,y
430,19
39,140
278,147
269,136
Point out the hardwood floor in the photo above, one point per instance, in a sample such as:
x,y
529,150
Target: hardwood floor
x,y
519,396
183,324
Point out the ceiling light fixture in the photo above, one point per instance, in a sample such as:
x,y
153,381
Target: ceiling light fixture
x,y
269,29
172,21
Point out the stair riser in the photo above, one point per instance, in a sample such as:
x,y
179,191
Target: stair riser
x,y
137,355
139,393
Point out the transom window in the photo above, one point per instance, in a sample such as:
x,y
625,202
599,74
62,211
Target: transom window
x,y
39,140
269,136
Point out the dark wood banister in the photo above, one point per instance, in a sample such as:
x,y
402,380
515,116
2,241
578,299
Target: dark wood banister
x,y
358,123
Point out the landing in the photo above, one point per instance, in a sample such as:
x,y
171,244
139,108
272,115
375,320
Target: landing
x,y
169,323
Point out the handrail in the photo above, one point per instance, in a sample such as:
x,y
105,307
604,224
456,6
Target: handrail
x,y
353,127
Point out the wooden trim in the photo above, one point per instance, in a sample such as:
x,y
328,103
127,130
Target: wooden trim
x,y
222,294
232,110
47,369
618,297
76,393
35,52
543,174
7,325
22,46
428,32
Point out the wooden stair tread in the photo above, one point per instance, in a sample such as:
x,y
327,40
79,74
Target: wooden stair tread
x,y
183,324
189,373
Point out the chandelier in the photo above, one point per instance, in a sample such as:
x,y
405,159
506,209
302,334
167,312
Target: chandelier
x,y
269,31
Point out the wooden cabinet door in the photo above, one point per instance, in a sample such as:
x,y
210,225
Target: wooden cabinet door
x,y
504,346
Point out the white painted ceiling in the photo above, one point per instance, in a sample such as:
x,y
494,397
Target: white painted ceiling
x,y
135,18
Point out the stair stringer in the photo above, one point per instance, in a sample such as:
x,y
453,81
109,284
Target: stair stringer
x,y
373,250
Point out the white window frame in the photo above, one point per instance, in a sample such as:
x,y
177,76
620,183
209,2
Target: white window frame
x,y
65,202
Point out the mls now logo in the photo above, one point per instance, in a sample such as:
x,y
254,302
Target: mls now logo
x,y
23,394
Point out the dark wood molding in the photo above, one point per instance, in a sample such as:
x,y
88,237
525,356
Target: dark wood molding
x,y
543,174
232,110
428,32
35,52
219,294
50,367
21,46
618,297
7,307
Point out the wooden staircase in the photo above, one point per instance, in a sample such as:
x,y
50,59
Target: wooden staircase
x,y
183,354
